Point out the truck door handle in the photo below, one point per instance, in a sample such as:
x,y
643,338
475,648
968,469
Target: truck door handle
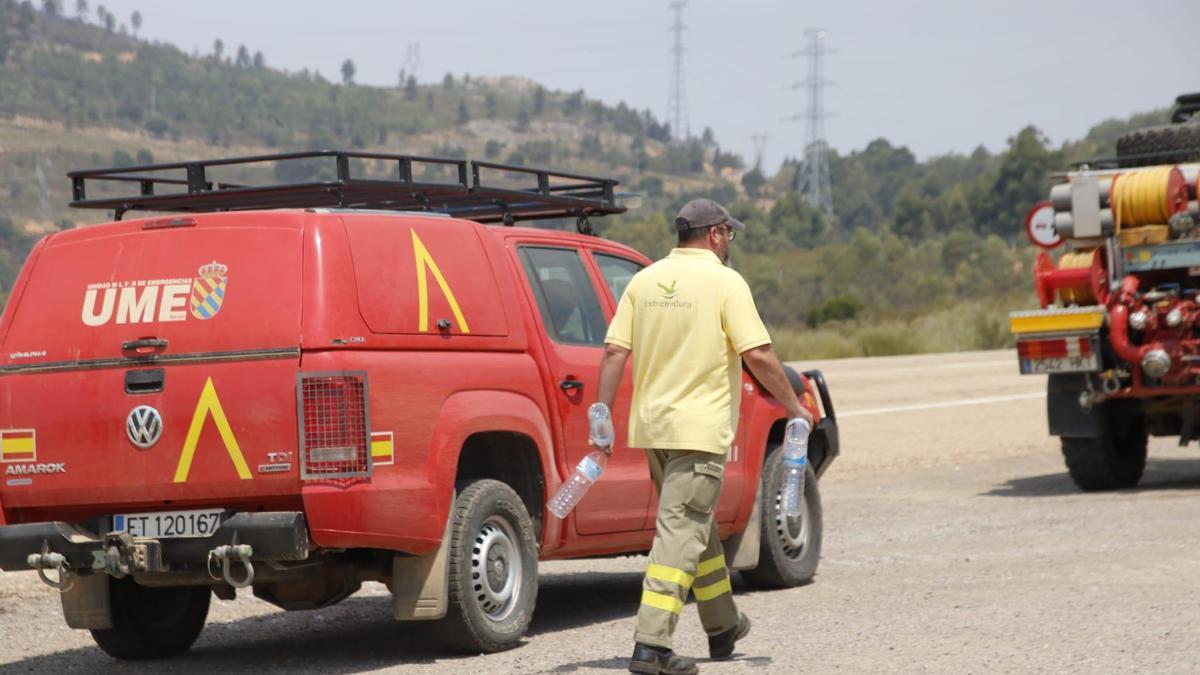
x,y
143,343
569,384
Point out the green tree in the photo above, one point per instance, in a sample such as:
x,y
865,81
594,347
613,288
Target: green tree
x,y
218,48
489,105
348,71
243,57
136,21
410,89
753,180
81,9
1003,197
464,115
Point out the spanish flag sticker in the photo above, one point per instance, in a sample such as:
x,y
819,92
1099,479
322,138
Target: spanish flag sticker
x,y
18,445
382,448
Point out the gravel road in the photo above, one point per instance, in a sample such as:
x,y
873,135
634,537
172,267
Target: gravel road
x,y
955,543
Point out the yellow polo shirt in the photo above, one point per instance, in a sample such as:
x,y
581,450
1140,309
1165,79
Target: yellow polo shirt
x,y
687,318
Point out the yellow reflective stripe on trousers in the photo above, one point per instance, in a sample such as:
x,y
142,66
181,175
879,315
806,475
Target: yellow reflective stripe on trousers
x,y
661,601
675,576
712,590
710,565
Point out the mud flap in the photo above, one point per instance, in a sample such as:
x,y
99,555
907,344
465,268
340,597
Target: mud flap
x,y
420,583
741,549
86,602
1064,414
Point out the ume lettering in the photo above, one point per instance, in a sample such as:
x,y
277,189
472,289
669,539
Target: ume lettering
x,y
135,305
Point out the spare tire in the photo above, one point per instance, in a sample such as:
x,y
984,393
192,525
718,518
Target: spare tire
x,y
1165,144
1186,108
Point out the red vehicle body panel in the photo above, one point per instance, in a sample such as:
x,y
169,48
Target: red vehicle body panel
x,y
437,312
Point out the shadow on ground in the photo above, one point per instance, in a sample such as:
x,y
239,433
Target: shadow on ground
x,y
1162,474
358,635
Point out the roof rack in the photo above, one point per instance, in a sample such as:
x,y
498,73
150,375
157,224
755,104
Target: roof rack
x,y
189,188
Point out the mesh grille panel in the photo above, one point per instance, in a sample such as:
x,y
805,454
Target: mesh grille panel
x,y
334,426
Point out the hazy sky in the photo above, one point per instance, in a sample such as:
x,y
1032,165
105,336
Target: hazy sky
x,y
935,75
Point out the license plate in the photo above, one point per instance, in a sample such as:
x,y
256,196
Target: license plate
x,y
169,524
1063,364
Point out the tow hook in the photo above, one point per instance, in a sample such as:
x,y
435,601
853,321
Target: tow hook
x,y
229,554
1109,385
51,561
123,556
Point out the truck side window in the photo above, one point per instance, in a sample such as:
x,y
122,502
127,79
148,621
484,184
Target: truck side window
x,y
568,303
617,272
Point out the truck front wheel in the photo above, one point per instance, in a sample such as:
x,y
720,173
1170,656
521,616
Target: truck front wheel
x,y
790,547
152,623
493,570
1112,461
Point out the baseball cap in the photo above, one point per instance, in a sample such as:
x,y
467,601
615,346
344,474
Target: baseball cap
x,y
704,213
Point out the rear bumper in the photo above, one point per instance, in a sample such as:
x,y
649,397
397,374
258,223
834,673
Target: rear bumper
x,y
273,536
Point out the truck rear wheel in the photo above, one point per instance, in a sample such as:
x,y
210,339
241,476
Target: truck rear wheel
x,y
1112,461
493,570
152,623
790,547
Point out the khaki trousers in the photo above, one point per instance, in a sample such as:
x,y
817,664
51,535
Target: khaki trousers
x,y
687,554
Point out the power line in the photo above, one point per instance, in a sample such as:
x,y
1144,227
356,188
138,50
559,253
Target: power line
x,y
812,180
677,114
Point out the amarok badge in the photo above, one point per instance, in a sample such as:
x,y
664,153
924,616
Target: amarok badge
x,y
208,291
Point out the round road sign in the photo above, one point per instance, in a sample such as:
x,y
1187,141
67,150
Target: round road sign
x,y
1039,225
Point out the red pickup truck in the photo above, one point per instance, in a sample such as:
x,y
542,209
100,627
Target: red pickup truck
x,y
350,377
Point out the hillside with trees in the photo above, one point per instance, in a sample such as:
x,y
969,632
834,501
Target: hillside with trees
x,y
910,239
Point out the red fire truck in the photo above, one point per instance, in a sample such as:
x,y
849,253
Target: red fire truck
x,y
1119,328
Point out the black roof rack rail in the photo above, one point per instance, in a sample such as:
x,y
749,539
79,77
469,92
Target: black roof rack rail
x,y
552,194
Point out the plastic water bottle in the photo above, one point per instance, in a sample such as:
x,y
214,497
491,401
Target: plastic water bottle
x,y
600,426
586,473
600,433
795,464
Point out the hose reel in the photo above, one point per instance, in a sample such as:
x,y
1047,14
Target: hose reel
x,y
1079,278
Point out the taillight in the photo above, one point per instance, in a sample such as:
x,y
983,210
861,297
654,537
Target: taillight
x,y
1054,348
334,426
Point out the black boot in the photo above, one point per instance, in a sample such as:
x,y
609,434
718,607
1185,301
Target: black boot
x,y
720,646
652,660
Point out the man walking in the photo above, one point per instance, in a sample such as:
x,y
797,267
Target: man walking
x,y
689,321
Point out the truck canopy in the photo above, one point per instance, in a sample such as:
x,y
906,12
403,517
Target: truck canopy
x,y
197,317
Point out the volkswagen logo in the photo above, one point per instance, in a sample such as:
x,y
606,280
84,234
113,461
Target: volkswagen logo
x,y
143,426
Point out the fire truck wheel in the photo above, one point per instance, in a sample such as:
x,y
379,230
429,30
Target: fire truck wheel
x,y
493,570
790,547
1113,461
152,623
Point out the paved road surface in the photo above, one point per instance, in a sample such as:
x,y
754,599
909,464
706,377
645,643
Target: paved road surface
x,y
955,543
